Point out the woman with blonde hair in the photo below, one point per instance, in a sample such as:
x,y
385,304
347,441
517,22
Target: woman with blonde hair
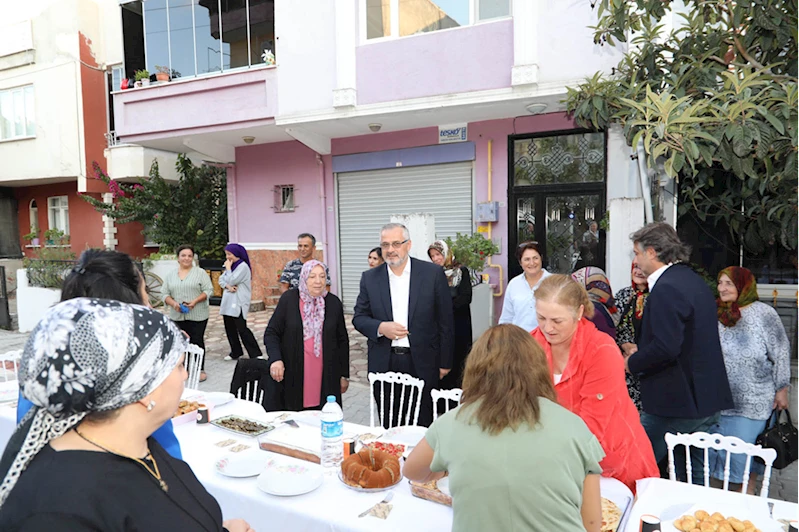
x,y
588,371
509,435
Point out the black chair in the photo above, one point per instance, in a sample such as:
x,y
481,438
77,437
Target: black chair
x,y
252,382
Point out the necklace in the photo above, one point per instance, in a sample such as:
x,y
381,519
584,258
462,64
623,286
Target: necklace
x,y
153,471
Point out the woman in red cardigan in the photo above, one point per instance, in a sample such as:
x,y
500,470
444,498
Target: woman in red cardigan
x,y
588,372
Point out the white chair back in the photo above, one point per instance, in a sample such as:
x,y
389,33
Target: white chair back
x,y
9,365
730,444
447,395
251,391
410,386
193,363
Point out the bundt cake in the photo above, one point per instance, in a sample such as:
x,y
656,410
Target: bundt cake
x,y
371,469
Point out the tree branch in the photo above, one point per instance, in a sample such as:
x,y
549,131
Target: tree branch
x,y
748,57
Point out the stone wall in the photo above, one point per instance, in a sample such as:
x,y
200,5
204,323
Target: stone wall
x,y
267,266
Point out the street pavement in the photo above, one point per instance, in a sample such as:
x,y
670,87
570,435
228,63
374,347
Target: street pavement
x,y
784,484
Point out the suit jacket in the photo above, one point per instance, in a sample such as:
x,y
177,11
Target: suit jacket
x,y
679,358
430,318
283,340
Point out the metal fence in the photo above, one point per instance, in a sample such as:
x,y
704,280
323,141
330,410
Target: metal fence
x,y
5,315
48,273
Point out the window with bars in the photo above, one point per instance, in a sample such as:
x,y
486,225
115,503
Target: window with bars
x,y
284,198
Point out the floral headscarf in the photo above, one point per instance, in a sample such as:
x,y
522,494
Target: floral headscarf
x,y
744,281
241,253
313,308
451,269
86,355
597,285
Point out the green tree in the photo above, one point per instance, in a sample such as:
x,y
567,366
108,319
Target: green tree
x,y
192,211
714,101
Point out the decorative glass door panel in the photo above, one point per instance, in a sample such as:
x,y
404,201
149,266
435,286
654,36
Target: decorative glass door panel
x,y
525,219
572,234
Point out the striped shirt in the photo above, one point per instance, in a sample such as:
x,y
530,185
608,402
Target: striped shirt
x,y
188,289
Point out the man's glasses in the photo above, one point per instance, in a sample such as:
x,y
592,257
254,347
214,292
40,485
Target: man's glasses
x,y
395,245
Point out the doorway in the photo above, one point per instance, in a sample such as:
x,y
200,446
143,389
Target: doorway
x,y
557,197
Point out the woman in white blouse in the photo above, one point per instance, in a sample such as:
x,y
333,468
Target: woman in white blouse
x,y
519,305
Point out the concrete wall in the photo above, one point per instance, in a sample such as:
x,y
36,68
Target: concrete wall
x,y
33,302
465,59
305,54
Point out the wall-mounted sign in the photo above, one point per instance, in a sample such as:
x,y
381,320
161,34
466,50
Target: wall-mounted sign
x,y
452,133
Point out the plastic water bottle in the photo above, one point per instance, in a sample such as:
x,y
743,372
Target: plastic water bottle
x,y
332,432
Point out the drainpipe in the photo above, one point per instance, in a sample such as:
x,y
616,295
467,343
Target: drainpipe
x,y
323,197
489,263
643,176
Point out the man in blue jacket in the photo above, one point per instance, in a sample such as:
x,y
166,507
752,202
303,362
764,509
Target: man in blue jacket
x,y
684,382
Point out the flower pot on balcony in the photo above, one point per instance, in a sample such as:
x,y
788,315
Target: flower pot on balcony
x,y
162,76
35,242
145,82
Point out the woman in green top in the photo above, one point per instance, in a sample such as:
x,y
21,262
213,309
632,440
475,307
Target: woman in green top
x,y
190,286
516,459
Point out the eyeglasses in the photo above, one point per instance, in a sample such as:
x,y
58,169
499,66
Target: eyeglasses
x,y
395,245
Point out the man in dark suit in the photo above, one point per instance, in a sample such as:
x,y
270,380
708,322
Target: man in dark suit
x,y
684,382
404,309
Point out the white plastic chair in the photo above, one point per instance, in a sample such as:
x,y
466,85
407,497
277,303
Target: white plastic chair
x,y
448,395
193,363
251,391
411,386
731,444
9,365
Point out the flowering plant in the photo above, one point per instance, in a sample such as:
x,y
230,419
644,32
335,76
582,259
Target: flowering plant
x,y
192,210
268,57
471,250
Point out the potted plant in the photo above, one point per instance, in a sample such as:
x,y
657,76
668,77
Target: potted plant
x,y
268,57
56,237
32,237
143,77
472,251
161,73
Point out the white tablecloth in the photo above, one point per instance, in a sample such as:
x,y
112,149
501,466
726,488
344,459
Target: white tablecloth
x,y
668,500
332,506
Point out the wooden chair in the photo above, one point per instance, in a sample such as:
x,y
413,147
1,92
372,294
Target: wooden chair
x,y
193,363
409,385
730,444
447,395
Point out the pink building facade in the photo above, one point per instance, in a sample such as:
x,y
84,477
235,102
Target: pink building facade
x,y
366,115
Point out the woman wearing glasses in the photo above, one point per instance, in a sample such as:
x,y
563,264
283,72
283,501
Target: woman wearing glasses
x,y
519,305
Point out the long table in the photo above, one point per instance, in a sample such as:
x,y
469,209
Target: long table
x,y
331,507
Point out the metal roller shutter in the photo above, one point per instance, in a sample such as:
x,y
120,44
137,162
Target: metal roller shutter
x,y
366,200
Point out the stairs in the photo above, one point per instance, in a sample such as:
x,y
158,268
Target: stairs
x,y
271,296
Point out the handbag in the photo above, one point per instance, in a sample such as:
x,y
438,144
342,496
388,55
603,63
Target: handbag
x,y
782,436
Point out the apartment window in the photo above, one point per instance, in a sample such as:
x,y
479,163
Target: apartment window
x,y
17,113
412,17
284,198
58,213
33,216
195,37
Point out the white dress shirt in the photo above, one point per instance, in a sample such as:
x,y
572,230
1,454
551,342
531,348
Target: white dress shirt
x,y
519,305
652,279
400,288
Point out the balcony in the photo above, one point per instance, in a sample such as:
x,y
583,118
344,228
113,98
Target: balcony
x,y
232,100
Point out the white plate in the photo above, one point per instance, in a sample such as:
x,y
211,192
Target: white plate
x,y
758,514
287,479
240,465
408,435
218,398
443,486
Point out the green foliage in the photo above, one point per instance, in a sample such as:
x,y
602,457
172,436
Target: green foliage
x,y
192,211
714,102
141,74
471,250
51,262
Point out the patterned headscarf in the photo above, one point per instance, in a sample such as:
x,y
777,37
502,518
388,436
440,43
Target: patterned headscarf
x,y
451,269
597,285
313,308
744,281
239,252
86,355
640,296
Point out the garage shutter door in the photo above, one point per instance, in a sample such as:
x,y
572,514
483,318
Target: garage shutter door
x,y
366,201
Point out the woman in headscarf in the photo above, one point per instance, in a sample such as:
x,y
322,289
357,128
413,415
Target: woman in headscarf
x,y
757,357
236,284
107,274
460,287
632,300
102,376
606,315
307,342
